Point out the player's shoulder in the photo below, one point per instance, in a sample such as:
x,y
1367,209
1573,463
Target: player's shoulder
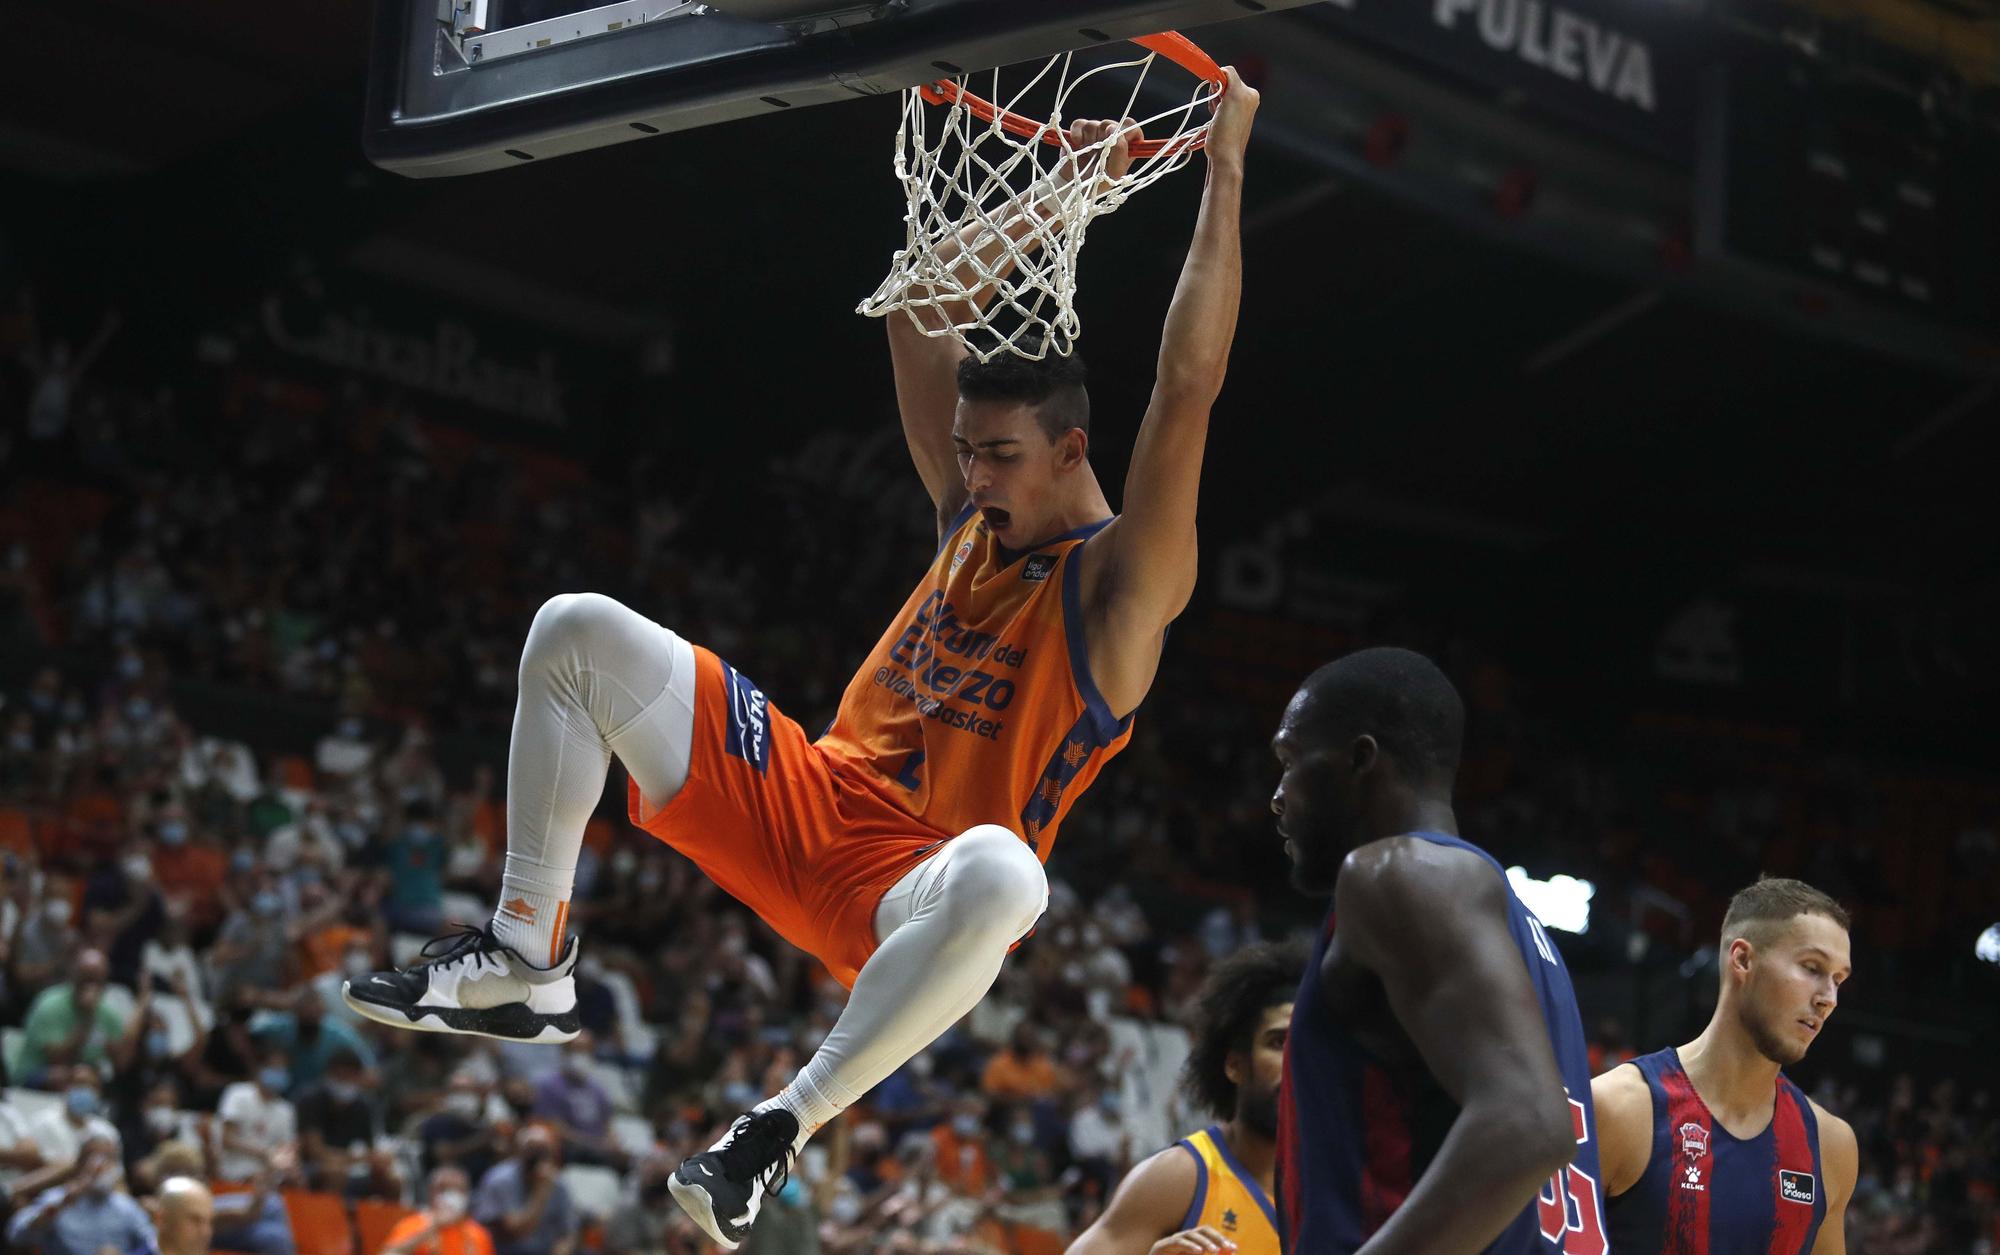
x,y
1622,1094
1161,1184
1401,873
1834,1133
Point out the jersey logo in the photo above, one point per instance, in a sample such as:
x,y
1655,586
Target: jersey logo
x,y
1693,1181
1694,1140
1229,1219
958,559
1795,1187
748,735
1038,567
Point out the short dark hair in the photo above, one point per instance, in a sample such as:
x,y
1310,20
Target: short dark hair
x,y
1054,385
1227,1010
1397,696
1756,912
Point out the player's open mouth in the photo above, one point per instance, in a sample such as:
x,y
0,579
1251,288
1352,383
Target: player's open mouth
x,y
995,519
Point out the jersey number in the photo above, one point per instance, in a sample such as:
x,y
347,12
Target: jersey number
x,y
1571,1217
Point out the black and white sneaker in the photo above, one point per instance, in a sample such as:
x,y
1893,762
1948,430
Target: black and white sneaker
x,y
469,983
724,1187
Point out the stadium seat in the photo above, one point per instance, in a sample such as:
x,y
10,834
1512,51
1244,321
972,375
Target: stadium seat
x,y
320,1225
634,1134
594,1190
373,1219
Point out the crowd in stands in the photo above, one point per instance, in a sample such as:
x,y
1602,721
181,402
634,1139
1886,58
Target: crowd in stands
x,y
179,906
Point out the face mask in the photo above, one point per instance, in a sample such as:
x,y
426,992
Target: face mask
x,y
738,1094
161,1120
242,861
1023,1134
157,1045
266,903
343,1091
794,1192
1111,1104
449,1205
131,666
138,867
350,729
82,1102
273,1079
464,1106
350,833
138,710
58,911
965,1125
173,832
576,1064
922,1066
354,964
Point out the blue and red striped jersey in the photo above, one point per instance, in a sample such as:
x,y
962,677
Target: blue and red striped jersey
x,y
1355,1134
1705,1192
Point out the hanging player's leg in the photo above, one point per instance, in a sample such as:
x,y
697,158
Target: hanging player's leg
x,y
596,679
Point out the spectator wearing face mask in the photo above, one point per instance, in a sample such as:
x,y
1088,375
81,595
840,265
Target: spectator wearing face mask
x,y
963,1161
188,865
84,1214
47,939
256,1120
311,1039
416,856
444,1226
575,1103
523,1201
70,1022
339,1122
252,951
122,902
62,1132
457,1132
156,1120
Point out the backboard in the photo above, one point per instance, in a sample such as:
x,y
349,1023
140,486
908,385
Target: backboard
x,y
460,86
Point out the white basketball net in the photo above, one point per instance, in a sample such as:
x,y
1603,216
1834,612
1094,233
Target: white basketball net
x,y
977,183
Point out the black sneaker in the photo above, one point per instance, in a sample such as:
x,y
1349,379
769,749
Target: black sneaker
x,y
724,1187
469,983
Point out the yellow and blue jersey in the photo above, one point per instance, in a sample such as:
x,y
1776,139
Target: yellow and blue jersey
x,y
1228,1199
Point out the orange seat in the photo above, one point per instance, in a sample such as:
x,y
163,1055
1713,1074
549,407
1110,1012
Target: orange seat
x,y
319,1223
373,1219
17,830
1030,1241
296,773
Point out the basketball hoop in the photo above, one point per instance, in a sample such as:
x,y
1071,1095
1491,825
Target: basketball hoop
x,y
1000,200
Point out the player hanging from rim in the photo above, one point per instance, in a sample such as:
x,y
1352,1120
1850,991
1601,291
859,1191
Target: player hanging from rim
x,y
1709,1149
904,848
1211,1191
1437,1083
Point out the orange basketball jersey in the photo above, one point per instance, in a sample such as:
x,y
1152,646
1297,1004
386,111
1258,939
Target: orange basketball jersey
x,y
977,706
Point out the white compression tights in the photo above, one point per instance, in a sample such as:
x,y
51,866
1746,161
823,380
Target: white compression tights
x,y
598,679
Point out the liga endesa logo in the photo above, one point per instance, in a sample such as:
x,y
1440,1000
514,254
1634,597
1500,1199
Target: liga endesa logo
x,y
1795,1187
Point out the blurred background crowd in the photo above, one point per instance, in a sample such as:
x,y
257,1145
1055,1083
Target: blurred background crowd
x,y
260,637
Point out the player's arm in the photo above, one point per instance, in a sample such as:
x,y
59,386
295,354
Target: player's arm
x,y
1840,1160
1431,923
1623,1106
1146,1208
1141,569
926,365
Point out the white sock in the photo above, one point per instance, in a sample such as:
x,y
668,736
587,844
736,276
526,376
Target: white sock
x,y
533,916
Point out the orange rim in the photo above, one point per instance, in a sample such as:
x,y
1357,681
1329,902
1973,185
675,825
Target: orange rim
x,y
1172,45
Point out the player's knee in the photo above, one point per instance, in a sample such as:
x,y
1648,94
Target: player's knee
x,y
568,624
996,879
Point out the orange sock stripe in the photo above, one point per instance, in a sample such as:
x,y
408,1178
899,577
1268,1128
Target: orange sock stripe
x,y
556,938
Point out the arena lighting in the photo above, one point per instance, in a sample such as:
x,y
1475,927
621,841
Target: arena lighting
x,y
1988,945
1559,902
